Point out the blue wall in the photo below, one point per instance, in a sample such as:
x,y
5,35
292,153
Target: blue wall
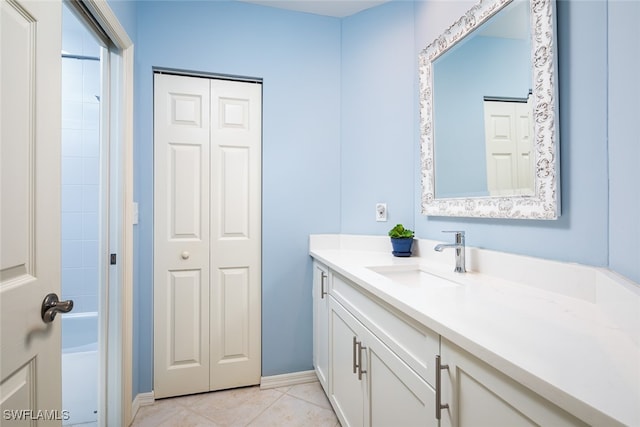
x,y
624,142
341,133
126,12
298,56
379,113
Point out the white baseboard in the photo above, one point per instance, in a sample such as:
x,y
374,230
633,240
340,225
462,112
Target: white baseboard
x,y
141,399
285,380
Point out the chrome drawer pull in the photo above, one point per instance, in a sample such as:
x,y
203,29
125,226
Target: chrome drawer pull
x,y
323,292
360,370
439,405
355,364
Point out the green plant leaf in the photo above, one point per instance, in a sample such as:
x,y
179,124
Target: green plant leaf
x,y
399,232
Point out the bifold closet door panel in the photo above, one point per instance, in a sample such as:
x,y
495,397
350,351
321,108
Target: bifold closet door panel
x,y
236,176
181,234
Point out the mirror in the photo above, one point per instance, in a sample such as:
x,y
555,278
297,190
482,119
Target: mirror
x,y
488,123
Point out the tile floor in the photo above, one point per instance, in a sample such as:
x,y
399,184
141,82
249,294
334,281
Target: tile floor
x,y
303,405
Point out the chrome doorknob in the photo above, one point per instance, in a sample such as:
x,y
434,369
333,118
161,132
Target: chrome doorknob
x,y
185,255
52,306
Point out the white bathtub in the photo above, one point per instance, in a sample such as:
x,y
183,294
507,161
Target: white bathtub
x,y
80,367
79,332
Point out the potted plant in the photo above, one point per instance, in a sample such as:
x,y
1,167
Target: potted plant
x,y
401,240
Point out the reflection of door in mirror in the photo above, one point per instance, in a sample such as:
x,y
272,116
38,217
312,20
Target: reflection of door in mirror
x,y
509,146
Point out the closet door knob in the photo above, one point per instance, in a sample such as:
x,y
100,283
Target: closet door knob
x,y
185,255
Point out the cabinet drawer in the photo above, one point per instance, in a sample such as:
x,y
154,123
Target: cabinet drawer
x,y
416,345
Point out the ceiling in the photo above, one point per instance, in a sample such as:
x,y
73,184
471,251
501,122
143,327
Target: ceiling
x,y
336,8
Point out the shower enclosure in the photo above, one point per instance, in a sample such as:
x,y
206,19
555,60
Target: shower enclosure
x,y
81,207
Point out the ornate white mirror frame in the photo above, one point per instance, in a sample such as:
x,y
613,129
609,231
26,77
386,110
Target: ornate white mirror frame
x,y
545,203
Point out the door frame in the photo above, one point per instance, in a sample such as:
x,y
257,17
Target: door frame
x,y
119,302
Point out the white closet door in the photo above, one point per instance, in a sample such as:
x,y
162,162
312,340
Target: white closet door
x,y
30,379
207,234
236,143
181,235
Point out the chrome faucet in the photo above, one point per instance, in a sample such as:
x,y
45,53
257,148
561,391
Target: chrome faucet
x,y
459,247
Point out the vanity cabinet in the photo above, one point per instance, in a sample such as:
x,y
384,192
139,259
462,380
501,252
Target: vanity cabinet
x,y
379,367
321,323
370,383
478,395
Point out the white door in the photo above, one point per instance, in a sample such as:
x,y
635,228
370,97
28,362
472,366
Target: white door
x,y
207,289
181,235
398,396
30,379
479,395
236,233
346,389
509,148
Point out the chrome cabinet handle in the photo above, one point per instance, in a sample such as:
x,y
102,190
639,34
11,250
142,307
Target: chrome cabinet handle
x,y
355,364
323,292
439,405
360,370
51,306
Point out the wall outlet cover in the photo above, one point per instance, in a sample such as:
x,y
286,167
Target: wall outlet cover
x,y
381,211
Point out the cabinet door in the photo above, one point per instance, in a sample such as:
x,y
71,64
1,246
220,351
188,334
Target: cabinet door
x,y
397,394
479,395
346,391
321,324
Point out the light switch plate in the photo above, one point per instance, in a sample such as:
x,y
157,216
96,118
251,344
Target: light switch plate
x,y
381,212
136,216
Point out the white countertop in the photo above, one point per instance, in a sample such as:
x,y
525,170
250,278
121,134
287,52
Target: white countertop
x,y
574,341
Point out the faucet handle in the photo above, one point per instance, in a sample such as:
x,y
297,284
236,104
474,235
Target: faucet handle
x,y
459,235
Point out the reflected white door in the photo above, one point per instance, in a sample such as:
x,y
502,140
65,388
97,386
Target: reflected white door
x,y
207,289
509,148
30,386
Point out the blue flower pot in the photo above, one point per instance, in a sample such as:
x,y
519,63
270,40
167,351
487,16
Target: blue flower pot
x,y
402,246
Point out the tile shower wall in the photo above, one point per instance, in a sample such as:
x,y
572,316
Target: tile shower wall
x,y
80,167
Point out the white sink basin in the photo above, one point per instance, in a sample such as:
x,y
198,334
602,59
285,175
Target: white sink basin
x,y
412,276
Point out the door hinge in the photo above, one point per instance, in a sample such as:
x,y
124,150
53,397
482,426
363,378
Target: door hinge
x,y
112,260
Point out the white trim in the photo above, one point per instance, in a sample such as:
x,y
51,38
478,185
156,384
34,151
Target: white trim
x,y
105,17
109,22
142,399
284,380
127,235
